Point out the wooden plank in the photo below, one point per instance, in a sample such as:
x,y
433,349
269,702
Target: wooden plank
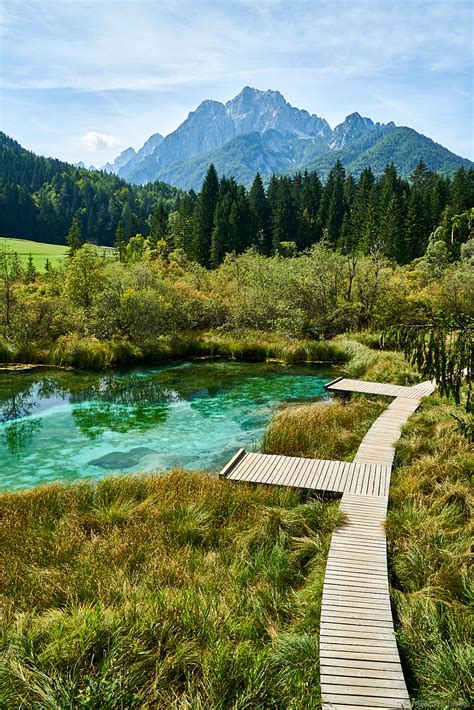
x,y
354,613
293,479
245,465
363,655
371,668
285,469
266,470
363,631
339,631
363,682
248,470
305,472
378,648
229,466
353,620
349,689
361,701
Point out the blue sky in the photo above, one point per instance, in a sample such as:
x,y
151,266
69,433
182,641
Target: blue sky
x,y
83,80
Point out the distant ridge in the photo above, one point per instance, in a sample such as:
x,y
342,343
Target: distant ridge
x,y
260,131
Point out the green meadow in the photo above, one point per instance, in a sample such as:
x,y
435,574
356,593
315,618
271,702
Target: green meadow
x,y
38,250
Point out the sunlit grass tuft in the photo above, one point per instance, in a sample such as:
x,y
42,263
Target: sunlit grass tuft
x,y
326,430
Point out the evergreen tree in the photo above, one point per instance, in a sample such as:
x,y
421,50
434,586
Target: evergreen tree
x,y
120,243
74,238
242,225
222,234
335,202
204,216
181,231
30,274
284,216
261,215
159,225
362,220
309,226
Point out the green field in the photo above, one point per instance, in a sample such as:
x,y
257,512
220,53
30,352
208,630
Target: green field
x,y
40,251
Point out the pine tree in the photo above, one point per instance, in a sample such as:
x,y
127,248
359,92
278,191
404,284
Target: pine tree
x,y
204,217
261,215
181,231
284,216
336,203
120,243
362,219
30,274
222,236
242,225
47,266
74,238
159,229
309,226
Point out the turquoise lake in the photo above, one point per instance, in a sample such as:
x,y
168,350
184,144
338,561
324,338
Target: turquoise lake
x,y
69,425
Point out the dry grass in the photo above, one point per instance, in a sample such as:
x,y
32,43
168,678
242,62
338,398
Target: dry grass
x,y
430,532
161,592
328,430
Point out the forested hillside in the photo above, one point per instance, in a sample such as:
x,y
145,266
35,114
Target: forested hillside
x,y
41,197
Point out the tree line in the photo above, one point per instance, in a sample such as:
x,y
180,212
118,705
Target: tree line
x,y
41,197
46,199
394,216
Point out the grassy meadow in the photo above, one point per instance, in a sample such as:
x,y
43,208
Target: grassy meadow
x,y
40,252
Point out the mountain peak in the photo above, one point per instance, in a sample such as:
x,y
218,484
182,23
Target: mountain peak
x,y
353,126
122,159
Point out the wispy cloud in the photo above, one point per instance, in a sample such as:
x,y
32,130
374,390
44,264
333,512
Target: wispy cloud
x,y
148,63
99,141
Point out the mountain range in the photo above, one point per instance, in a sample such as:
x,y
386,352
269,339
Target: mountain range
x,y
259,131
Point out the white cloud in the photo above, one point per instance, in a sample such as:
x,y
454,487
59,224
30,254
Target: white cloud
x,y
99,141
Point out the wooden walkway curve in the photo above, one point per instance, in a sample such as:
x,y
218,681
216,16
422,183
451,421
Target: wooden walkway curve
x,y
359,662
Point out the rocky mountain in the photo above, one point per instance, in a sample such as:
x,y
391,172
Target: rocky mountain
x,y
121,160
82,165
350,130
260,131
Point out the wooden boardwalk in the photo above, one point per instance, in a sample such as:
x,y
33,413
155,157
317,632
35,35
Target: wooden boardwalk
x,y
359,661
311,474
346,385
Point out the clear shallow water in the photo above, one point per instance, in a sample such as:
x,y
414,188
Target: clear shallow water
x,y
57,425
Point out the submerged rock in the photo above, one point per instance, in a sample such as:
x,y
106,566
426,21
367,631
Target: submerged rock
x,y
122,459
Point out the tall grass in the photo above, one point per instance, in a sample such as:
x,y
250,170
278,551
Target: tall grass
x,y
91,353
430,532
327,430
380,366
177,591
